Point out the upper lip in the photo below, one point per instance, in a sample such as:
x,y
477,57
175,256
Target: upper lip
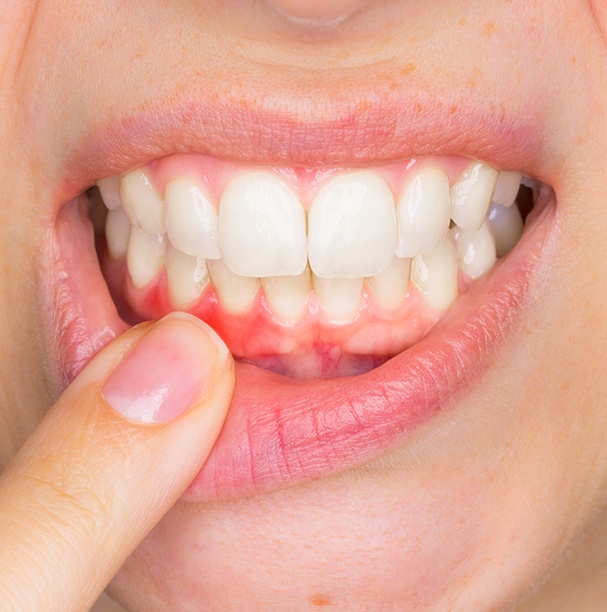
x,y
363,130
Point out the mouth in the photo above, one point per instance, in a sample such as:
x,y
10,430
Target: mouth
x,y
359,300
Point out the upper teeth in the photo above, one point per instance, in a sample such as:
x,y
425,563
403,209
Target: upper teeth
x,y
354,229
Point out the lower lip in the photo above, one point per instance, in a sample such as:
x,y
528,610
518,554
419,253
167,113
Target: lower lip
x,y
282,431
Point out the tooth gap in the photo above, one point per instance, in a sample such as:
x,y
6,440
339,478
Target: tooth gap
x,y
97,210
525,200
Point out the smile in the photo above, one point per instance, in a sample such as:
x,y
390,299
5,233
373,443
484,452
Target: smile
x,y
358,300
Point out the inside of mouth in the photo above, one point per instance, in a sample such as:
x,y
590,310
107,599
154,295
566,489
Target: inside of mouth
x,y
310,273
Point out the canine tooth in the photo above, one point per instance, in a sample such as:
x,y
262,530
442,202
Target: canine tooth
x,y
423,213
145,256
142,204
110,191
475,250
507,225
191,220
187,277
435,274
117,232
390,286
339,298
506,188
236,293
262,227
352,227
287,296
471,196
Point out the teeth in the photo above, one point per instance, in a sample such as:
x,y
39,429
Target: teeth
x,y
191,220
287,296
506,188
339,297
187,277
353,235
471,196
352,227
390,286
236,293
435,274
117,232
145,256
262,227
110,191
142,203
507,225
476,250
423,213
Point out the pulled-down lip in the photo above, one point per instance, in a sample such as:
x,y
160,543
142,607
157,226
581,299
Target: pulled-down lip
x,y
281,431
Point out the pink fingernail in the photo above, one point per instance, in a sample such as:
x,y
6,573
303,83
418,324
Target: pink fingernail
x,y
167,372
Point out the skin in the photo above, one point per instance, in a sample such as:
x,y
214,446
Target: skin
x,y
499,504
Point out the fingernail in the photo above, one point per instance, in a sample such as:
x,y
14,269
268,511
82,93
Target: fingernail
x,y
167,372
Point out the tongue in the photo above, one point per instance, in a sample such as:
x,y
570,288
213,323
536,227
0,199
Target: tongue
x,y
313,347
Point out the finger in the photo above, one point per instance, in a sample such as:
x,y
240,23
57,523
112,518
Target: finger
x,y
107,462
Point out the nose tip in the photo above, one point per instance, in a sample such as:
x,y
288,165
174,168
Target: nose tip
x,y
318,10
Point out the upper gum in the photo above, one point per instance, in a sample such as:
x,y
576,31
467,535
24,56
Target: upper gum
x,y
213,174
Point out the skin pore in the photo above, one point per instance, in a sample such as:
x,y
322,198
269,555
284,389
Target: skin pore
x,y
497,502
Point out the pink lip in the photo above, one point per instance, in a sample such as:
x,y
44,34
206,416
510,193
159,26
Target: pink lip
x,y
281,431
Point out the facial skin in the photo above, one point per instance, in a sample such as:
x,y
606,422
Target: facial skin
x,y
502,494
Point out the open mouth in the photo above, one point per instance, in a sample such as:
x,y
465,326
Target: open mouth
x,y
358,301
310,273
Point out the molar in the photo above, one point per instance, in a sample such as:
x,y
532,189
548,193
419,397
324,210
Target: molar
x,y
352,227
109,188
142,204
506,188
471,196
191,220
507,225
423,213
262,227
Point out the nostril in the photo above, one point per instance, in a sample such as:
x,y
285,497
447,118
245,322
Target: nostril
x,y
318,10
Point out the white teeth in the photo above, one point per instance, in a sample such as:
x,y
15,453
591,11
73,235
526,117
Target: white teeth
x,y
110,191
236,293
390,286
423,213
145,256
117,232
507,225
471,196
339,298
262,227
287,296
352,227
506,188
191,220
353,234
187,277
435,274
142,204
476,250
